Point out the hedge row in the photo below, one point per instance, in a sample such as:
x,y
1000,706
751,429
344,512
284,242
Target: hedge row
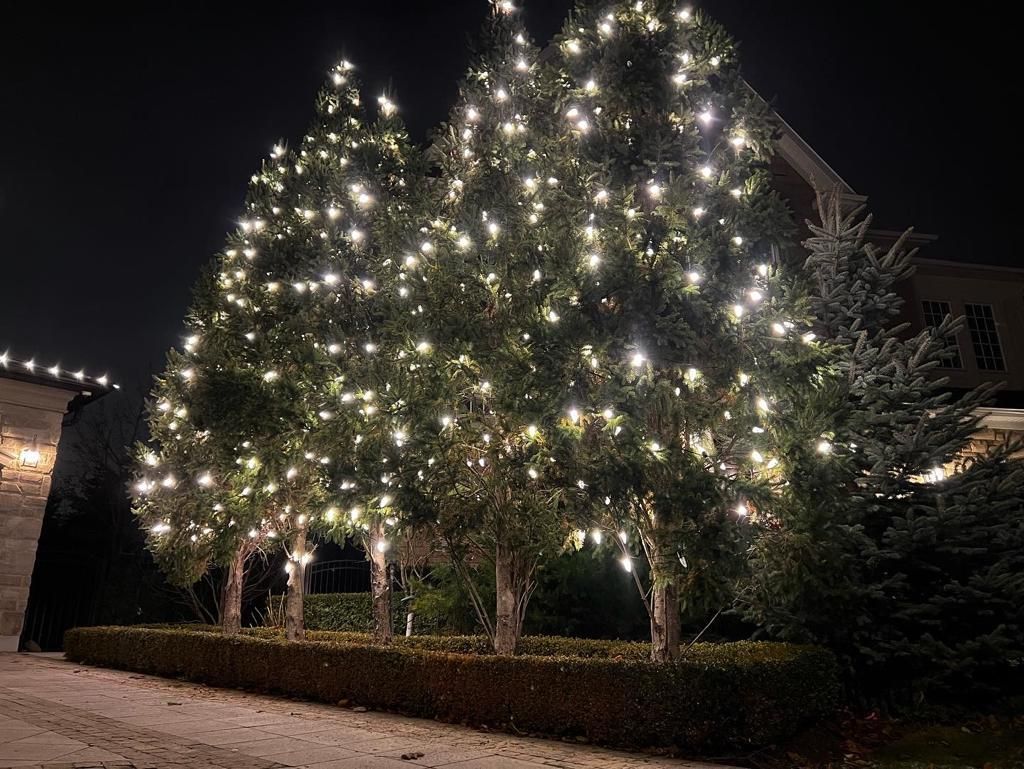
x,y
535,645
731,695
338,611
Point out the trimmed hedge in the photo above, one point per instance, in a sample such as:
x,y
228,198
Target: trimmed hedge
x,y
729,695
338,611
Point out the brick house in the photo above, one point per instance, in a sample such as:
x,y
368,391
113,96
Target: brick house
x,y
34,406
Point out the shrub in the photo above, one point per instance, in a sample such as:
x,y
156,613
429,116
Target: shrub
x,y
338,611
729,695
346,612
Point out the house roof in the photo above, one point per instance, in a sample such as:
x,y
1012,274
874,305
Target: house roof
x,y
86,386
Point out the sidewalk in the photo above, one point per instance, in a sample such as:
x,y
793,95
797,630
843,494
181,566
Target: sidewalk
x,y
58,715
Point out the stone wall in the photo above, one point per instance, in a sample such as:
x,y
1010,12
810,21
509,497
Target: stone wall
x,y
30,417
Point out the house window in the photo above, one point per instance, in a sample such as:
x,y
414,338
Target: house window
x,y
982,324
934,314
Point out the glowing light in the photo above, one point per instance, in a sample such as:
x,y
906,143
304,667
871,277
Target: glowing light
x,y
637,360
627,563
824,447
742,510
707,172
29,457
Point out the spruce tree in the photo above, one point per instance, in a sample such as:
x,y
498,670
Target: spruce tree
x,y
888,545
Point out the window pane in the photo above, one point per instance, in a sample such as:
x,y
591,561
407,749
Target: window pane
x,y
981,323
934,313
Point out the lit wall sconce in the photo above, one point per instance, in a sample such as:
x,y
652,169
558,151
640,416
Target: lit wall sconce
x,y
29,456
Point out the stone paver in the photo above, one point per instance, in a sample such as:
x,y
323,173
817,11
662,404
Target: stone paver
x,y
57,715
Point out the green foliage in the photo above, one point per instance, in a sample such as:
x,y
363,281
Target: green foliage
x,y
586,594
915,581
736,695
343,611
338,611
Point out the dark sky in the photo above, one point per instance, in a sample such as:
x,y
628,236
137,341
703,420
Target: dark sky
x,y
127,137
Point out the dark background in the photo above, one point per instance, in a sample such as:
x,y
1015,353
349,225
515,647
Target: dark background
x,y
127,137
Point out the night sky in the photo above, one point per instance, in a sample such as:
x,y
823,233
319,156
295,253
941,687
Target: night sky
x,y
127,138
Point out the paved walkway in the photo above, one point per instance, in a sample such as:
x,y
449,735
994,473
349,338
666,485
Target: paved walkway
x,y
58,715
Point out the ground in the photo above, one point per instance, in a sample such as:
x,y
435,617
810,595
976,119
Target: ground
x,y
59,715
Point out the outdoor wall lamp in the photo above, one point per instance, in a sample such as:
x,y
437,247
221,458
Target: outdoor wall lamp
x,y
29,456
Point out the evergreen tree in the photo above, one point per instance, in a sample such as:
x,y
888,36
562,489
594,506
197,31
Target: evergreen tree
x,y
888,546
681,337
481,480
250,405
194,489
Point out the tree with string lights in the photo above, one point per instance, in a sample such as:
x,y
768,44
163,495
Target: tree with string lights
x,y
480,479
679,336
254,413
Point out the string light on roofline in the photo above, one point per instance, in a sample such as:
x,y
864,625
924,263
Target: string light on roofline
x,y
9,363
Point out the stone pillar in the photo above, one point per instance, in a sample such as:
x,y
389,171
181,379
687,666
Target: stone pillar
x,y
30,422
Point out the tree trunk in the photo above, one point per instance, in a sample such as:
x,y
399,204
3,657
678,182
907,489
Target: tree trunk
x,y
294,621
506,615
666,625
380,586
231,596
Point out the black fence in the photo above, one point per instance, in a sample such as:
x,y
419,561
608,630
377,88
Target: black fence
x,y
340,576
